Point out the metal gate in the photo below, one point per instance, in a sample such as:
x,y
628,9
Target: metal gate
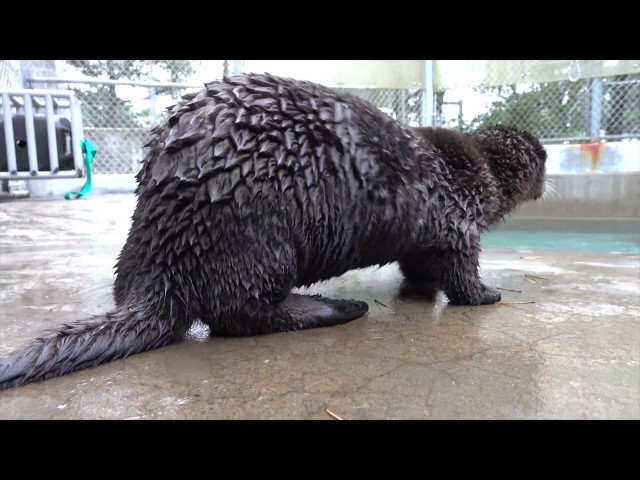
x,y
41,132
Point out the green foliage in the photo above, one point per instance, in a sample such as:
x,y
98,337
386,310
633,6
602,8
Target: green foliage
x,y
101,105
548,110
563,109
102,108
179,70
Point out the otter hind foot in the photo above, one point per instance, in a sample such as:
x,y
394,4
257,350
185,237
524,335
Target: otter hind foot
x,y
295,312
310,311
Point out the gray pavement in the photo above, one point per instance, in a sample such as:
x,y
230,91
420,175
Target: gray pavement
x,y
574,353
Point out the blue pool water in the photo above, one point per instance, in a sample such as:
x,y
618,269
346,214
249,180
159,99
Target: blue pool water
x,y
568,241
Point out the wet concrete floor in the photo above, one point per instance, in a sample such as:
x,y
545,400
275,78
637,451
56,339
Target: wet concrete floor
x,y
572,354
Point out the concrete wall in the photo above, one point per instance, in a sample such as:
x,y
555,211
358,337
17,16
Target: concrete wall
x,y
610,200
100,184
597,186
589,196
595,157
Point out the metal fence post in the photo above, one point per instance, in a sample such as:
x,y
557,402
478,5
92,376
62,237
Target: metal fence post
x,y
427,97
25,73
32,152
76,133
152,97
596,107
403,106
8,134
51,134
238,67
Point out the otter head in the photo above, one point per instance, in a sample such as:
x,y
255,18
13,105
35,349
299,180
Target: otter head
x,y
517,161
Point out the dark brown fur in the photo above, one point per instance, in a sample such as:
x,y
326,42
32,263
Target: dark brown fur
x,y
259,184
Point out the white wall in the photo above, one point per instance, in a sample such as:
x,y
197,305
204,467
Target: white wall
x,y
594,157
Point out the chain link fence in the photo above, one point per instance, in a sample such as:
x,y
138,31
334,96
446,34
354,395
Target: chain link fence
x,y
10,74
404,105
576,104
560,101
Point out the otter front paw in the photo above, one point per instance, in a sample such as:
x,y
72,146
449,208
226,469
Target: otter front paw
x,y
485,296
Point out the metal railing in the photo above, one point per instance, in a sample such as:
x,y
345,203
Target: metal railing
x,y
27,103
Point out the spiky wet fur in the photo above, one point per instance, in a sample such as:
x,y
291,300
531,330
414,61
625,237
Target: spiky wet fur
x,y
258,184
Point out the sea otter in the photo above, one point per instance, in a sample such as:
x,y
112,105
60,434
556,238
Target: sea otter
x,y
257,184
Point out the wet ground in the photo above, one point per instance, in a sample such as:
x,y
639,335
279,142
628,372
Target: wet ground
x,y
572,351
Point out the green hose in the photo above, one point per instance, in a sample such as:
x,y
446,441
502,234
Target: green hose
x,y
89,152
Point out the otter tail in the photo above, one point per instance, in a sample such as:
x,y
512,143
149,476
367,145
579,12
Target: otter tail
x,y
84,344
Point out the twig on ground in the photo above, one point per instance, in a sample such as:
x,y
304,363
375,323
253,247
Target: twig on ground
x,y
509,290
332,415
535,276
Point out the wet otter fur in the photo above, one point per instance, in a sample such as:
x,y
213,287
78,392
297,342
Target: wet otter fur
x,y
258,184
